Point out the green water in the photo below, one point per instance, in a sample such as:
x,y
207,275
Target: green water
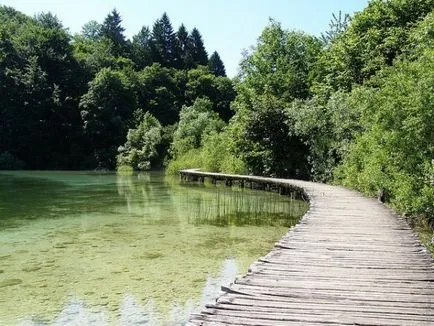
x,y
82,248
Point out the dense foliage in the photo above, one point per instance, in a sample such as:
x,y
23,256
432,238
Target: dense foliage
x,y
84,101
355,107
141,148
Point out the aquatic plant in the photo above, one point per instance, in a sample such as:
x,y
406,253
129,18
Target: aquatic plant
x,y
244,207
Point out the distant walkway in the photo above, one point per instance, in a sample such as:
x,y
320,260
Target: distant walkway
x,y
350,261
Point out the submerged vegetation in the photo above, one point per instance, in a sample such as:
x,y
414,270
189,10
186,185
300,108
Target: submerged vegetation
x,y
354,106
235,208
101,239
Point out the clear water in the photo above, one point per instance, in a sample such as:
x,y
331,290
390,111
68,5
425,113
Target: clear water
x,y
81,248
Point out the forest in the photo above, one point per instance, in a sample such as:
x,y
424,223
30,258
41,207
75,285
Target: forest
x,y
353,107
88,101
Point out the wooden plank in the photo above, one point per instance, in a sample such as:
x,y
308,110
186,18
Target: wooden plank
x,y
304,300
317,317
350,261
319,306
325,309
331,295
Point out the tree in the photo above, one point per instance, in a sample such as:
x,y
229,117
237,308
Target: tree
x,y
93,55
182,45
48,20
10,60
163,40
42,82
195,123
106,110
337,25
159,93
113,30
142,48
273,74
394,153
27,120
220,90
200,84
91,30
196,49
216,66
67,102
374,39
224,96
266,143
281,63
141,146
328,126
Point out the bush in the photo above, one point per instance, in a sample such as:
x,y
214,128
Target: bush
x,y
141,145
191,159
195,123
218,156
394,154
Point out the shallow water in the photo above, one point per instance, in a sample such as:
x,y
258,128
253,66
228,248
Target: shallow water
x,y
82,248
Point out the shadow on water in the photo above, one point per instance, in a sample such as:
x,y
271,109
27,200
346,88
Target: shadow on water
x,y
33,195
30,195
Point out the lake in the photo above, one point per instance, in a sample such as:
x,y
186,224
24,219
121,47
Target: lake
x,y
82,248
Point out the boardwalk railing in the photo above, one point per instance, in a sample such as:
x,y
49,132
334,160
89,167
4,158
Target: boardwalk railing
x,y
350,261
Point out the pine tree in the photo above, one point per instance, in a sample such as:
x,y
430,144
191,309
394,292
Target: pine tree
x,y
163,39
216,66
182,37
142,48
112,29
181,45
197,49
337,25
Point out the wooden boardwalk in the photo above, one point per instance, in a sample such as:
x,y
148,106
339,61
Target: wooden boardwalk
x,y
350,261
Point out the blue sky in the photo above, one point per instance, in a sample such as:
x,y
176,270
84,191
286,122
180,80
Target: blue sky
x,y
228,26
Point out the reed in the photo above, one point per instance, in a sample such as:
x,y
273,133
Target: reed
x,y
242,207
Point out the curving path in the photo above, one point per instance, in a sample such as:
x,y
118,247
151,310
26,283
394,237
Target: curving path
x,y
350,261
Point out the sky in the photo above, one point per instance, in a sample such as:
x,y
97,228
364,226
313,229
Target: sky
x,y
227,26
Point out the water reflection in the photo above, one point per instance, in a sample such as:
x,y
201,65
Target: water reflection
x,y
233,207
88,249
132,312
